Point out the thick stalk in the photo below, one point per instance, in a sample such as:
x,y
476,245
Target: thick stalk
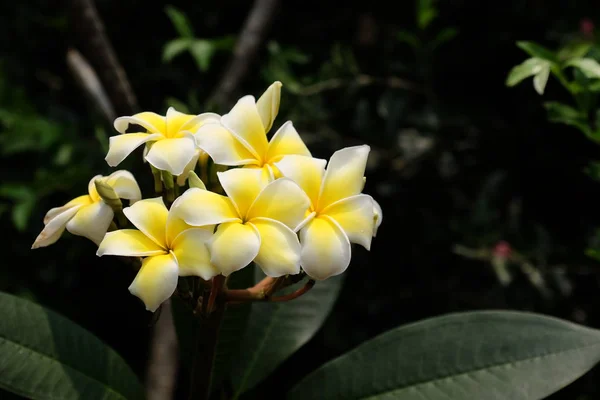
x,y
204,356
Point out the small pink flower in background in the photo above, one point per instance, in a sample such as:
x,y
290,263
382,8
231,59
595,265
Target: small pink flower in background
x,y
502,249
586,27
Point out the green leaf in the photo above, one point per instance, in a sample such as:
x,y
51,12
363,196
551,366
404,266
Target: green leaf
x,y
492,355
541,79
588,66
564,114
444,36
276,330
202,51
175,47
426,13
408,38
574,50
535,50
43,355
530,67
180,22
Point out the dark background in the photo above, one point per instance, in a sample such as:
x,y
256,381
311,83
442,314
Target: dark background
x,y
457,157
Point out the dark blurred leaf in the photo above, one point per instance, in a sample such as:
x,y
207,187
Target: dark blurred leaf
x,y
276,330
535,50
444,36
426,13
574,50
564,114
408,38
180,22
202,51
492,355
175,47
43,355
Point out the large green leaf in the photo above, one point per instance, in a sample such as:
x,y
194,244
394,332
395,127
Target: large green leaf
x,y
535,50
44,355
493,355
588,66
530,67
276,330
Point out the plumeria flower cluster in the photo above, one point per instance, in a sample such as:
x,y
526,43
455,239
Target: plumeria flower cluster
x,y
272,203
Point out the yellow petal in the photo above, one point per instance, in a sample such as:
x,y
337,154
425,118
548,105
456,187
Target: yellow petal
x,y
307,172
344,175
55,226
268,105
191,250
188,168
242,186
156,281
130,243
124,184
78,201
279,252
286,141
245,124
281,200
150,121
199,207
91,221
121,146
325,249
205,118
92,191
150,217
175,121
234,246
222,146
355,215
172,154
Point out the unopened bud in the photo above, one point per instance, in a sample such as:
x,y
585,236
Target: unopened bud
x,y
195,182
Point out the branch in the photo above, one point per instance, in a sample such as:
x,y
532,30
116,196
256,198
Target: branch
x,y
360,80
89,26
162,367
249,41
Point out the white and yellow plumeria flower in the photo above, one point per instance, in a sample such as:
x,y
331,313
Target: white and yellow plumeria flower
x,y
256,221
171,249
338,214
88,215
170,139
241,137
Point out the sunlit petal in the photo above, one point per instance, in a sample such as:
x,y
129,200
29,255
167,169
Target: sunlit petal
x,y
150,217
199,207
344,175
305,171
325,249
242,185
245,124
156,281
152,122
234,246
268,105
124,184
121,146
78,201
222,146
355,215
91,221
172,154
282,200
279,252
128,242
286,141
55,227
205,118
191,250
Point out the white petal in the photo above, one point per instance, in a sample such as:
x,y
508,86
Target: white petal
x,y
199,120
200,207
78,201
121,146
378,215
279,252
125,185
268,105
355,215
222,146
188,168
286,141
172,154
191,250
307,172
130,243
245,124
156,281
234,246
55,227
92,221
152,122
344,175
325,249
